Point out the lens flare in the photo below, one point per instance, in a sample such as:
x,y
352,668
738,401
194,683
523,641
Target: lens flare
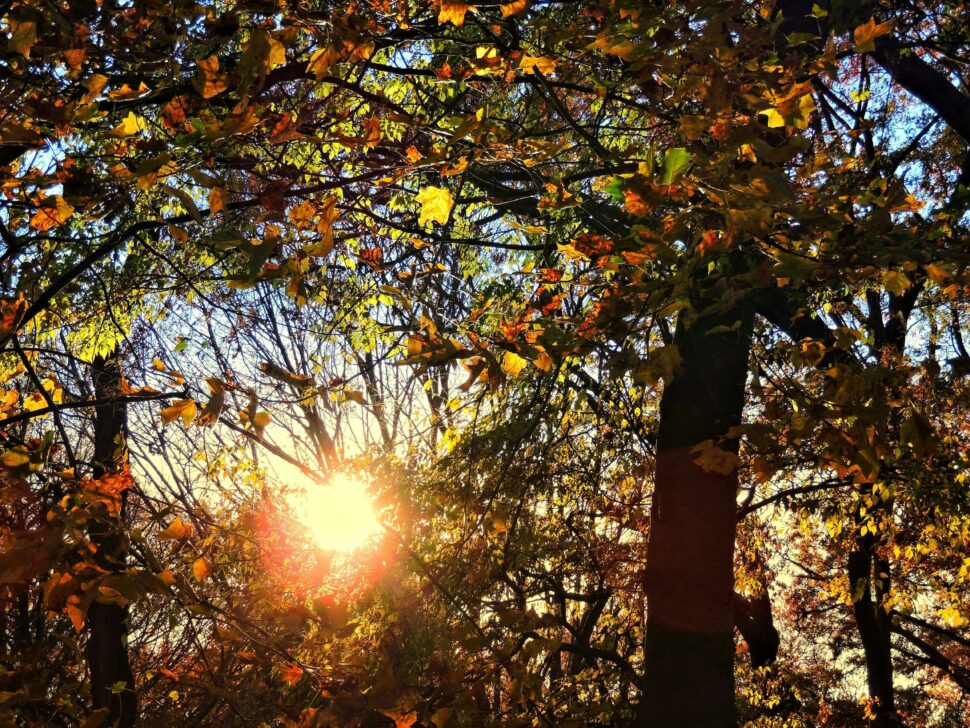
x,y
338,515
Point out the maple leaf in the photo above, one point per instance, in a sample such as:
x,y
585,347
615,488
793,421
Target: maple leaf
x,y
436,205
321,60
24,35
131,124
208,81
865,35
184,408
109,487
791,109
55,211
453,12
531,64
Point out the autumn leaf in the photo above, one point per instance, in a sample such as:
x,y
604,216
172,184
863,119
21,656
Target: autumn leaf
x,y
109,488
513,8
213,408
23,36
94,86
55,211
182,408
261,421
74,58
791,109
208,81
217,201
176,530
291,674
531,64
96,718
321,60
895,282
453,12
513,364
436,205
938,272
865,35
201,568
131,124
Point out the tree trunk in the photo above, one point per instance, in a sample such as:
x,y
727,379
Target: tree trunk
x,y
107,648
754,621
875,628
689,671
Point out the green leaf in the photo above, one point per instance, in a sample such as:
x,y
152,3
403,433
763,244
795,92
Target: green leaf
x,y
676,162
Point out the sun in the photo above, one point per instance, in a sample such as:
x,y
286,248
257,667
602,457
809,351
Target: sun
x,y
338,514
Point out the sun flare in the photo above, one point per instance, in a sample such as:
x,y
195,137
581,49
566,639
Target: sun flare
x,y
339,515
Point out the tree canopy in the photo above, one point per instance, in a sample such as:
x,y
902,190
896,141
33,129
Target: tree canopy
x,y
617,348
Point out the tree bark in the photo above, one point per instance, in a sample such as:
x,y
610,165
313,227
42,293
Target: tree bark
x,y
107,648
869,577
689,672
754,621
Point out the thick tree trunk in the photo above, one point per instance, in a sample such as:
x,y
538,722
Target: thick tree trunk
x,y
107,648
869,577
689,672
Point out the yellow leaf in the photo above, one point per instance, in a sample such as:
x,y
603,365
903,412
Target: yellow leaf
x,y
94,86
261,420
201,569
436,204
794,109
865,35
184,408
131,124
208,81
513,364
545,66
453,12
895,282
166,577
176,529
321,60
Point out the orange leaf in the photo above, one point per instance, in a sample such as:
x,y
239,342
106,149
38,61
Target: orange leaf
x,y
208,81
291,673
453,12
201,569
865,35
55,211
176,529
